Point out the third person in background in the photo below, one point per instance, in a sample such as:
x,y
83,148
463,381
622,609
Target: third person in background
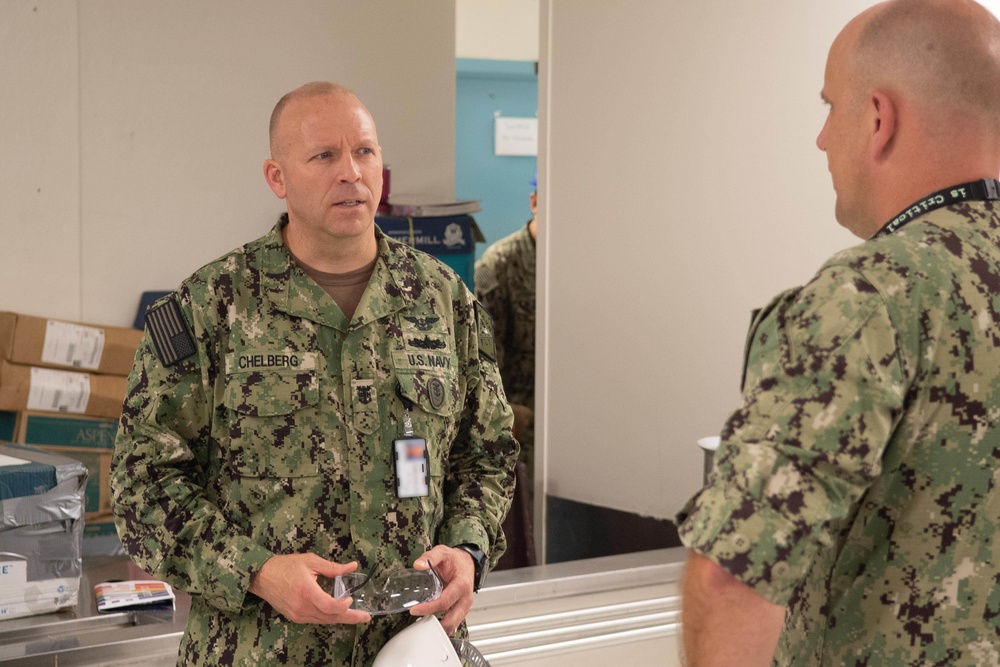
x,y
505,285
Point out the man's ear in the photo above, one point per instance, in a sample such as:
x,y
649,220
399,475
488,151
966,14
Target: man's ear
x,y
884,124
275,177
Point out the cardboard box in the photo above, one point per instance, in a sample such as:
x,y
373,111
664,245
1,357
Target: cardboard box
x,y
452,239
8,425
50,390
46,428
41,530
37,341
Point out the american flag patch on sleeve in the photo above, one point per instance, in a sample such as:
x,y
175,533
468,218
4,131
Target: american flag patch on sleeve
x,y
166,327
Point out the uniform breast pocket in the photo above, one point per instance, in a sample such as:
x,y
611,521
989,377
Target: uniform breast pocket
x,y
434,407
436,394
273,423
435,412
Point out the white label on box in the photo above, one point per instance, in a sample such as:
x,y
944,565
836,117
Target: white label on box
x,y
13,574
58,391
73,345
39,597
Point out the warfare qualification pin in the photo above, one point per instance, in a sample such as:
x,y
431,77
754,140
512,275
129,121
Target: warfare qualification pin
x,y
435,391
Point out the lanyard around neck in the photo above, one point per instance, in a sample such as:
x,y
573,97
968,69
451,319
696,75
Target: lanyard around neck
x,y
984,190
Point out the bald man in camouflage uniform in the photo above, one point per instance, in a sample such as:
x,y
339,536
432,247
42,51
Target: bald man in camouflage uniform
x,y
254,462
851,517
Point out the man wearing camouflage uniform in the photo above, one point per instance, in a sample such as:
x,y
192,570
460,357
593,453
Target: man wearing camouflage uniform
x,y
255,460
851,515
505,285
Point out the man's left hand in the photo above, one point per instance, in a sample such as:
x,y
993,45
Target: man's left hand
x,y
459,572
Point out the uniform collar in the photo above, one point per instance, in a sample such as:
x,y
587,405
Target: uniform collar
x,y
284,284
394,285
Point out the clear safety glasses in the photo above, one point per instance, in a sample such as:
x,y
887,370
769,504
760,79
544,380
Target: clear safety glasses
x,y
400,590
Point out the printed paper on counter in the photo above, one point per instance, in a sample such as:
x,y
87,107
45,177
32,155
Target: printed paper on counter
x,y
120,595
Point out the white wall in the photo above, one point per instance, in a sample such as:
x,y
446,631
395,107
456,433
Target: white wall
x,y
496,29
40,170
680,188
135,131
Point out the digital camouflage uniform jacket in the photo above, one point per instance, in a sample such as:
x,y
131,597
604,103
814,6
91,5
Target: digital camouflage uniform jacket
x,y
275,437
858,481
505,284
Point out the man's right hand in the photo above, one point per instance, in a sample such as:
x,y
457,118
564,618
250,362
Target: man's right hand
x,y
289,584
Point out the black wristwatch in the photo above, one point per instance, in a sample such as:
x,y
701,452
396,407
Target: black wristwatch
x,y
482,564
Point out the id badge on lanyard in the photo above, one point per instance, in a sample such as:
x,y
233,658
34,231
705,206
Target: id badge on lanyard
x,y
412,460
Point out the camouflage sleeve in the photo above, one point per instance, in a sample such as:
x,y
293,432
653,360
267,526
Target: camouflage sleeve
x,y
823,392
159,473
479,481
494,294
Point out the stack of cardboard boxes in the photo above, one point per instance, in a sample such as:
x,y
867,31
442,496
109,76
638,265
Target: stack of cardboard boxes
x,y
61,390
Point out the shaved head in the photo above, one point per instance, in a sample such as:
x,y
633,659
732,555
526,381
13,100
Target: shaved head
x,y
913,88
326,164
312,89
943,55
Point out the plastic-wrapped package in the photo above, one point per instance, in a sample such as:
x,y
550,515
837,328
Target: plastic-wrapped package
x,y
41,530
